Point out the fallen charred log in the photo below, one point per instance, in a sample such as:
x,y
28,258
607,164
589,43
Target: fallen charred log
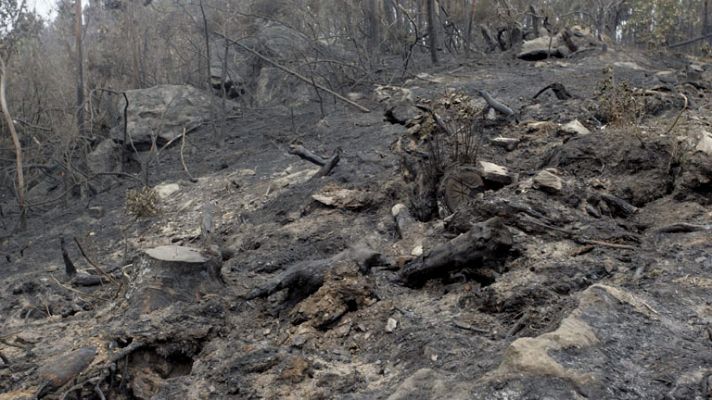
x,y
484,243
306,277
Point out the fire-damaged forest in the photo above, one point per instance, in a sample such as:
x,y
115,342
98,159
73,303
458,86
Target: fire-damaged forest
x,y
378,199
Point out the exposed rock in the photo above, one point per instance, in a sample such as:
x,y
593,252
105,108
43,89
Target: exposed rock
x,y
274,86
234,84
574,127
106,157
164,112
667,77
428,384
695,179
533,355
704,145
391,325
96,212
695,72
165,190
494,173
508,143
562,44
548,181
628,65
295,370
541,48
596,348
402,113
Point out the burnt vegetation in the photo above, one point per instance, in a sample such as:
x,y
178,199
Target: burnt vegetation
x,y
379,199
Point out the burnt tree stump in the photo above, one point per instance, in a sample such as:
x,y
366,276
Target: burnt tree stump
x,y
169,274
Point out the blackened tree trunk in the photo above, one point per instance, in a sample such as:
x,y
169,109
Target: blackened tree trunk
x,y
432,32
706,29
373,22
80,68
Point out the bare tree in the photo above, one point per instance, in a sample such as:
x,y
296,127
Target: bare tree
x,y
15,141
432,32
80,67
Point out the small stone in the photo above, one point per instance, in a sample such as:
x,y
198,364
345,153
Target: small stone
x,y
299,341
295,370
391,325
495,173
548,181
96,212
667,77
628,65
166,190
704,145
342,330
402,113
694,72
417,251
574,127
491,115
508,143
434,358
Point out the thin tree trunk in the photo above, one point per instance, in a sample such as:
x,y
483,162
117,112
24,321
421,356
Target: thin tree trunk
x,y
206,30
470,23
432,35
80,68
18,147
706,21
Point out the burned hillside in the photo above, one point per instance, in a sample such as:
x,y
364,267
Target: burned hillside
x,y
527,220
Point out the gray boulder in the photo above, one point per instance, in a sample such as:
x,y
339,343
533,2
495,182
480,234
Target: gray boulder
x,y
163,112
106,157
233,80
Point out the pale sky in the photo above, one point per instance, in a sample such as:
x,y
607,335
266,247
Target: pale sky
x,y
45,8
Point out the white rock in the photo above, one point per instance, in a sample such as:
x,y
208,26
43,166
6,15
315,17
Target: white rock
x,y
705,143
575,127
495,173
165,190
507,143
548,181
491,114
628,65
417,251
391,325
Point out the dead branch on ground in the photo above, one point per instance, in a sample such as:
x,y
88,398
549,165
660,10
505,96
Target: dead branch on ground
x,y
304,153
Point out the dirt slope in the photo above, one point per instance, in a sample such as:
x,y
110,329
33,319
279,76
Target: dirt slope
x,y
593,300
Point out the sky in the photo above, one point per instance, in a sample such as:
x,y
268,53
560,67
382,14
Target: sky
x,y
45,8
